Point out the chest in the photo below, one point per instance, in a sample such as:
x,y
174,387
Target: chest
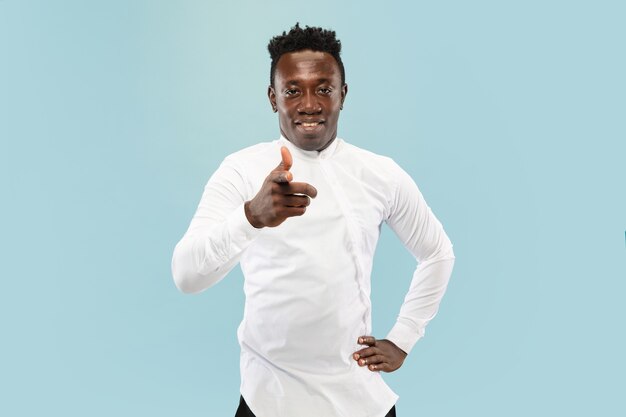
x,y
351,199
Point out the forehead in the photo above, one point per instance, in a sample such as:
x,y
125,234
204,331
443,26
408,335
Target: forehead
x,y
307,65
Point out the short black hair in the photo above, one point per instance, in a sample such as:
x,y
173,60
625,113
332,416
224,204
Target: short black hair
x,y
298,39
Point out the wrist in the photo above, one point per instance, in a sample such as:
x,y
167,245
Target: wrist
x,y
251,219
396,346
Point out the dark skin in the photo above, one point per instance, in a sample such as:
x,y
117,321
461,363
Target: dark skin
x,y
380,355
279,197
308,95
308,91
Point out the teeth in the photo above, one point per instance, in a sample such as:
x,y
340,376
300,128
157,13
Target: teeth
x,y
310,124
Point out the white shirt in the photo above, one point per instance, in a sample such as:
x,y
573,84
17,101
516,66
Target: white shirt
x,y
307,281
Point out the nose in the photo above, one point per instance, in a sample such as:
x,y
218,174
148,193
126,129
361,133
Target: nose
x,y
309,104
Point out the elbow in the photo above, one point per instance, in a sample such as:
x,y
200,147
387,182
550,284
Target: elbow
x,y
185,284
185,278
448,251
191,275
448,244
189,280
444,253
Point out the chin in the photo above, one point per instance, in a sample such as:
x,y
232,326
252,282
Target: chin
x,y
309,145
312,143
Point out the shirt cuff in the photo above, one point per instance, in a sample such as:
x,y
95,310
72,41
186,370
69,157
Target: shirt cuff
x,y
404,336
241,232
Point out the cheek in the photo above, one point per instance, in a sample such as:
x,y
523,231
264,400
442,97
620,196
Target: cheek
x,y
334,106
284,108
334,112
283,117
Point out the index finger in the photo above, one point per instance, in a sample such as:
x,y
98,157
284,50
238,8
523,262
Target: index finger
x,y
300,188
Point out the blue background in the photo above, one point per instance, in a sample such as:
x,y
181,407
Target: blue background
x,y
509,115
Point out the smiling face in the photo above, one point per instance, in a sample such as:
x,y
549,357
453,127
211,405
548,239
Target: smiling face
x,y
308,95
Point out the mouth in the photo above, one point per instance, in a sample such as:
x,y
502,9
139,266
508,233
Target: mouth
x,y
310,126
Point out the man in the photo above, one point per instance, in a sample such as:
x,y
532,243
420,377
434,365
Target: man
x,y
303,214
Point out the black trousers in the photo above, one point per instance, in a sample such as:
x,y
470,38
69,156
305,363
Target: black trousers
x,y
244,411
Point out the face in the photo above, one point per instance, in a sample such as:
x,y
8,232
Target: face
x,y
308,95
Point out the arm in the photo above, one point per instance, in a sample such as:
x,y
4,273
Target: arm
x,y
225,224
422,234
217,235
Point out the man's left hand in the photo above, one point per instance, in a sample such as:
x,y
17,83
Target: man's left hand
x,y
380,355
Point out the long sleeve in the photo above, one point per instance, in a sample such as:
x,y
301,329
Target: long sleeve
x,y
218,233
307,281
423,235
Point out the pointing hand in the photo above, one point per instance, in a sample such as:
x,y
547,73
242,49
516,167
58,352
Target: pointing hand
x,y
279,197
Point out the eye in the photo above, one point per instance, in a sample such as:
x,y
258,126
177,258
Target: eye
x,y
325,90
291,92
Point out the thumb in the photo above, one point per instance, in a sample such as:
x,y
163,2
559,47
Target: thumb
x,y
281,173
286,159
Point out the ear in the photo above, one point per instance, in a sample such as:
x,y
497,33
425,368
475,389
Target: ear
x,y
271,94
344,93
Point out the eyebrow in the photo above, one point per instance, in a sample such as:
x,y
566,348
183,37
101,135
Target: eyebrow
x,y
319,81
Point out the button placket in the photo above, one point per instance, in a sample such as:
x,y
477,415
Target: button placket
x,y
353,230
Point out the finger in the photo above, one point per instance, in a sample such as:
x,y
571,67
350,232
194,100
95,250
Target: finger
x,y
281,173
296,201
286,159
385,367
367,340
364,353
300,188
292,211
372,360
280,177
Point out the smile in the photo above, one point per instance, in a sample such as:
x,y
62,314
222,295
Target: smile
x,y
310,126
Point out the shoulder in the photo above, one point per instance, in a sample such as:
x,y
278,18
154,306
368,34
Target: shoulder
x,y
381,164
380,172
249,160
253,152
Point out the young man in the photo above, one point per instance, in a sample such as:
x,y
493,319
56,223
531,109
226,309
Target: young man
x,y
302,214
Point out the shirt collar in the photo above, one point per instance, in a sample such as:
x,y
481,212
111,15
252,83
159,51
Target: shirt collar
x,y
326,153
